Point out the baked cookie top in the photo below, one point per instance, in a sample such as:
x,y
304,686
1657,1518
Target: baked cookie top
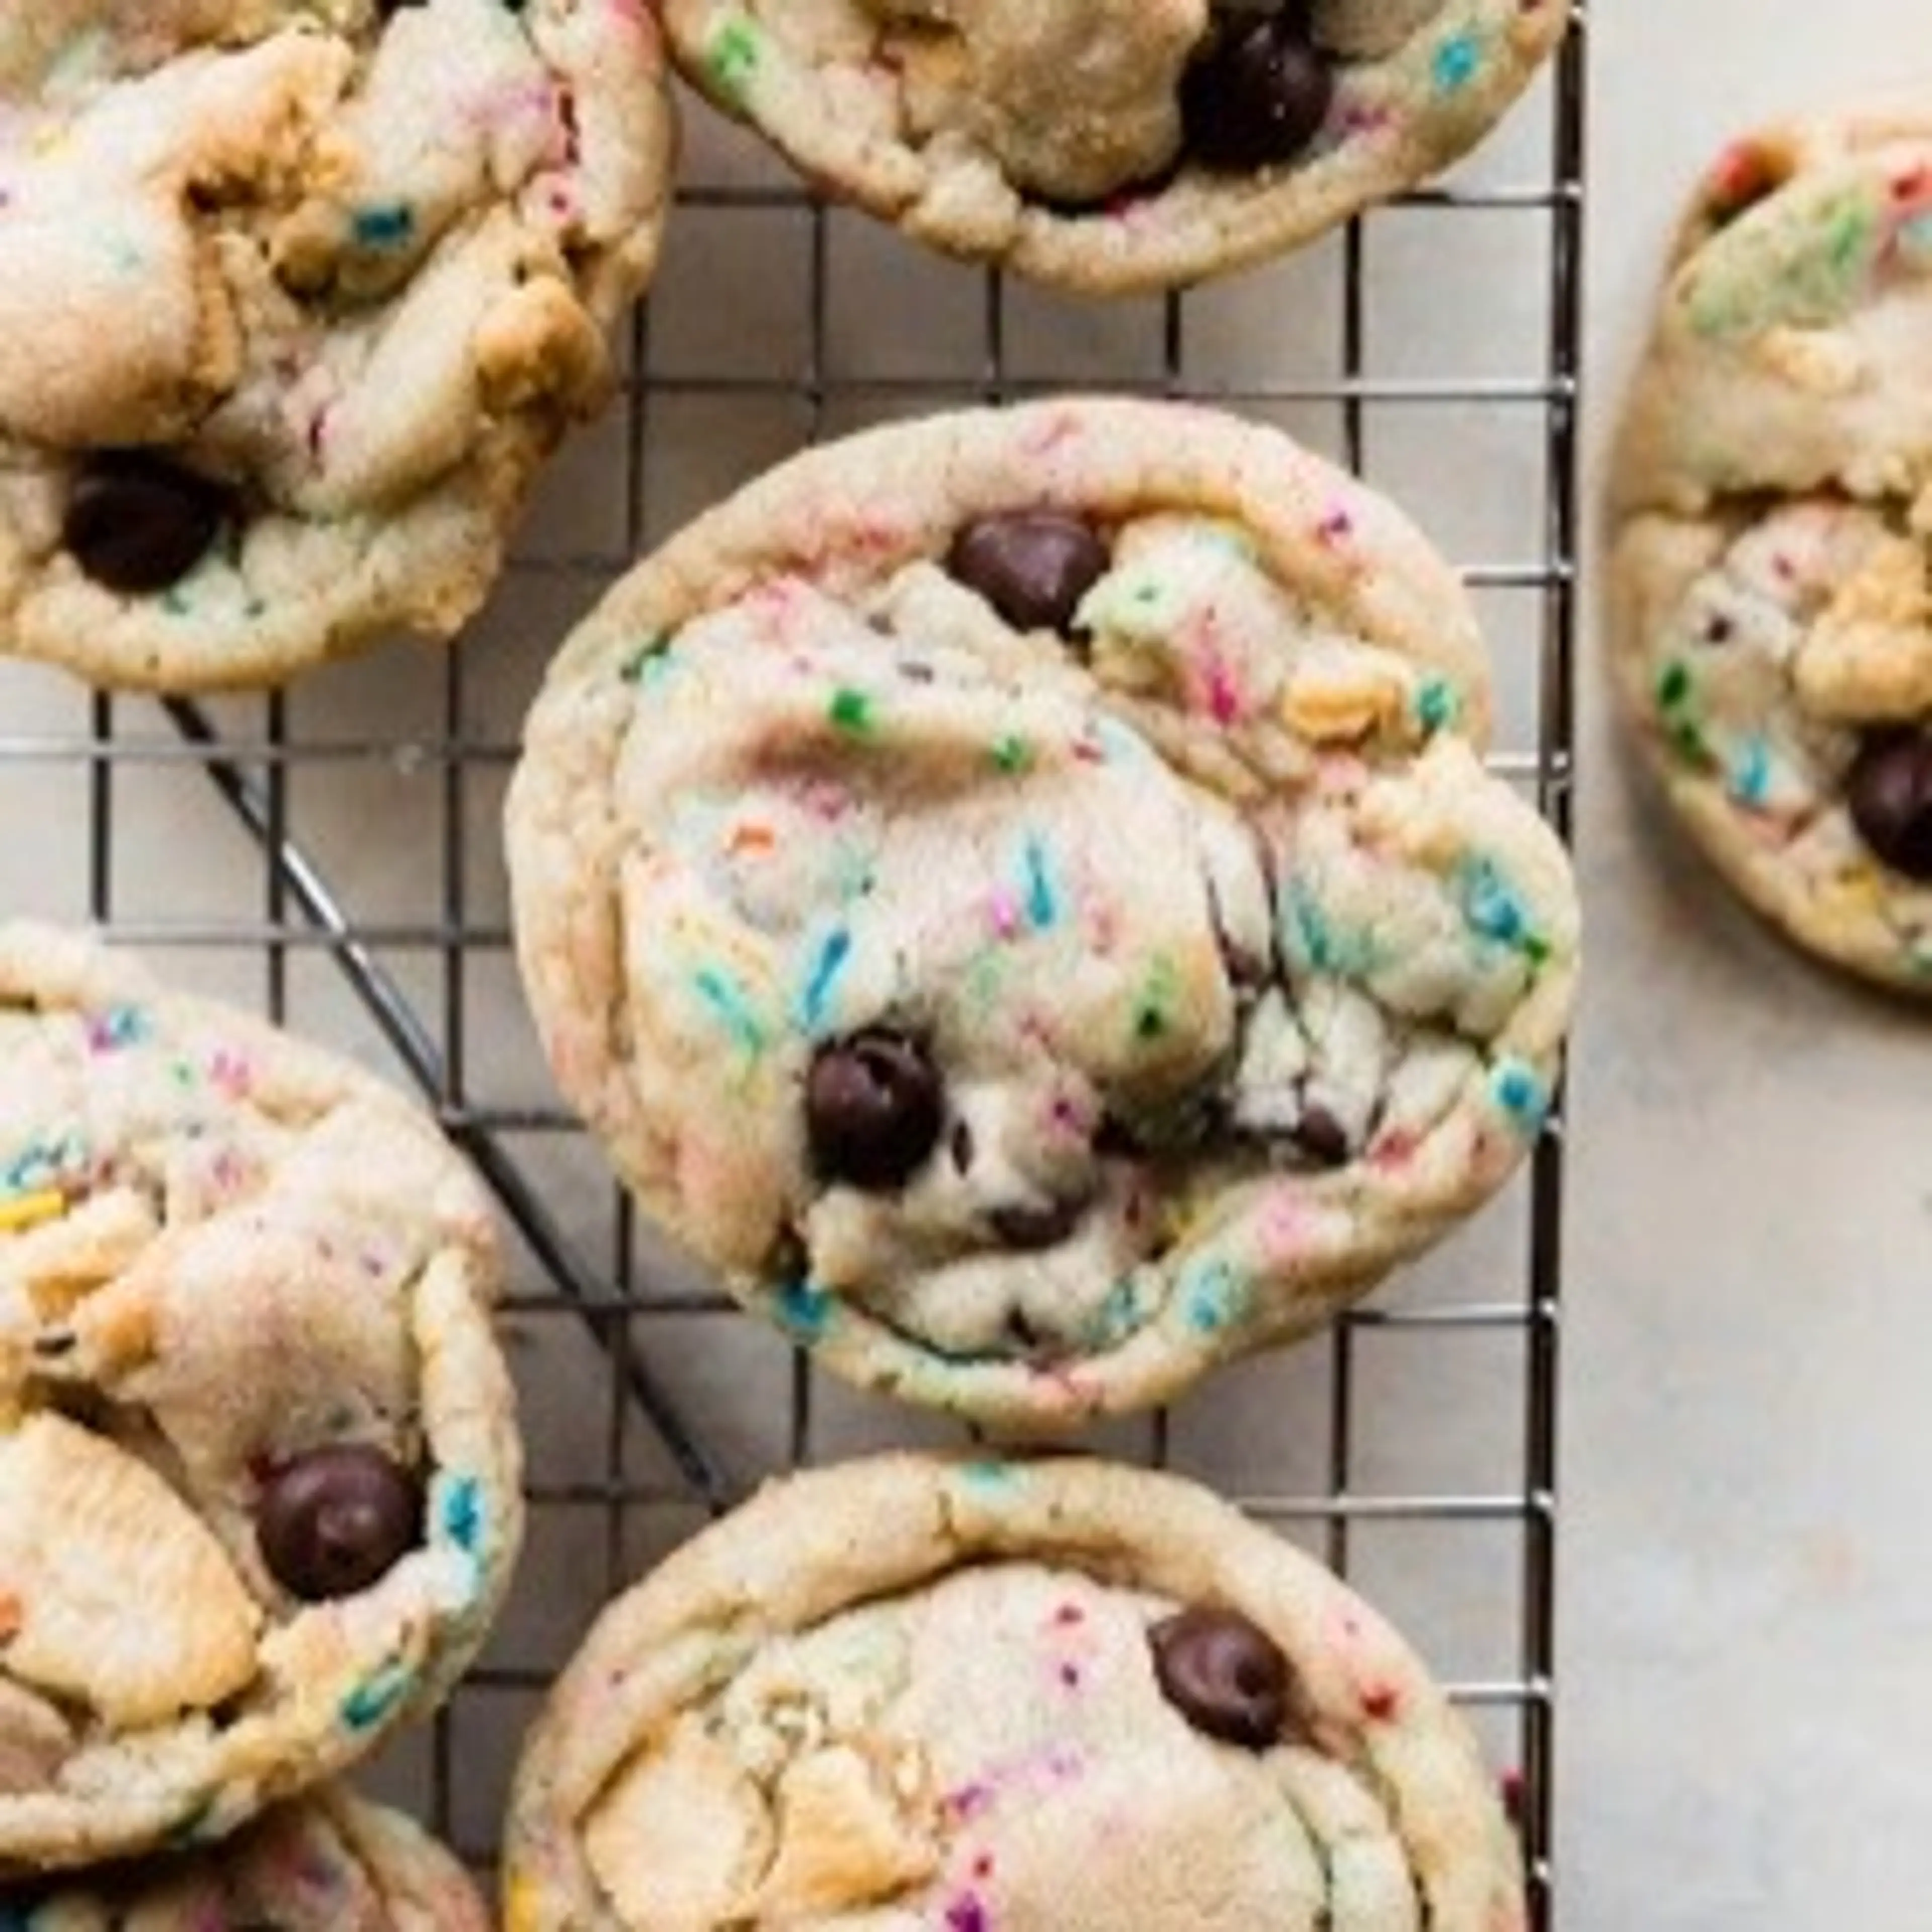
x,y
294,295
259,1467
1770,566
1011,892
1053,1696
327,1862
1116,145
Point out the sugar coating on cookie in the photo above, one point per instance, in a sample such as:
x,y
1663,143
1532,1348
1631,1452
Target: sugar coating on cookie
x,y
294,294
1012,893
1060,1696
1127,144
258,1468
1770,566
327,1862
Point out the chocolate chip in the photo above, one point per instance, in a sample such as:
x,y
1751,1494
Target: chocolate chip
x,y
873,1108
1032,566
1320,1136
1888,790
1225,1675
137,522
1028,1227
332,1521
1259,95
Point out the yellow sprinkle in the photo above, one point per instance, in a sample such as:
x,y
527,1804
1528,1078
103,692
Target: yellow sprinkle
x,y
519,1905
50,1203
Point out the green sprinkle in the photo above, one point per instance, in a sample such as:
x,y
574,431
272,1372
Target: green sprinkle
x,y
1437,704
1673,686
735,50
637,666
1012,754
1156,996
851,711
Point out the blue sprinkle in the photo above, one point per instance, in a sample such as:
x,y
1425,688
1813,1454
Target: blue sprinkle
x,y
824,976
805,1308
988,1472
1311,944
116,1026
372,1700
726,998
1489,903
387,226
1042,908
1456,62
462,1513
1750,778
1520,1094
1210,1298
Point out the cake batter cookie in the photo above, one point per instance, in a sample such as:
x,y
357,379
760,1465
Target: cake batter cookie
x,y
326,1863
258,1468
1013,894
294,296
1123,146
1056,1696
1770,561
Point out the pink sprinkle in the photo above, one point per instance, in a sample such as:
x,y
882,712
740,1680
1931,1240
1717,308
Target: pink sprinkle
x,y
1070,1613
1336,526
1002,909
967,1915
1224,701
228,1072
1069,1675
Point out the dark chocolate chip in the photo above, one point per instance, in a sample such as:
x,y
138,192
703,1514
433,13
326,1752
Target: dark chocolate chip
x,y
334,1521
1320,1136
1225,1675
1888,790
1032,566
137,521
959,1144
874,1105
1259,94
1028,1227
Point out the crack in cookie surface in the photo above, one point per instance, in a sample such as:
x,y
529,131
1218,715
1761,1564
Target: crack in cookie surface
x,y
295,298
257,1449
1026,1016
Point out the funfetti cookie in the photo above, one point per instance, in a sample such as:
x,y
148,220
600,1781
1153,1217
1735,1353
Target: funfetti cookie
x,y
1770,565
1014,896
325,1863
294,296
1111,145
259,1466
1055,1696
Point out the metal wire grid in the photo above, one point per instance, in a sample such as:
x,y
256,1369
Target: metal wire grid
x,y
616,1480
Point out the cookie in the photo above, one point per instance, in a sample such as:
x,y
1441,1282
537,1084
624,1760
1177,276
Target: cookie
x,y
295,296
326,1863
913,1693
1012,893
1770,565
1126,145
259,1467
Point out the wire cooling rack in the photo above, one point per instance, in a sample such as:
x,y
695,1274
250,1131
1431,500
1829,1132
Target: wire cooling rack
x,y
331,855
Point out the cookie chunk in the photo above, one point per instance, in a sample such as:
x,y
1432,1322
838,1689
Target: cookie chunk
x,y
1770,561
294,296
912,1693
1122,145
259,1469
1012,893
325,1863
